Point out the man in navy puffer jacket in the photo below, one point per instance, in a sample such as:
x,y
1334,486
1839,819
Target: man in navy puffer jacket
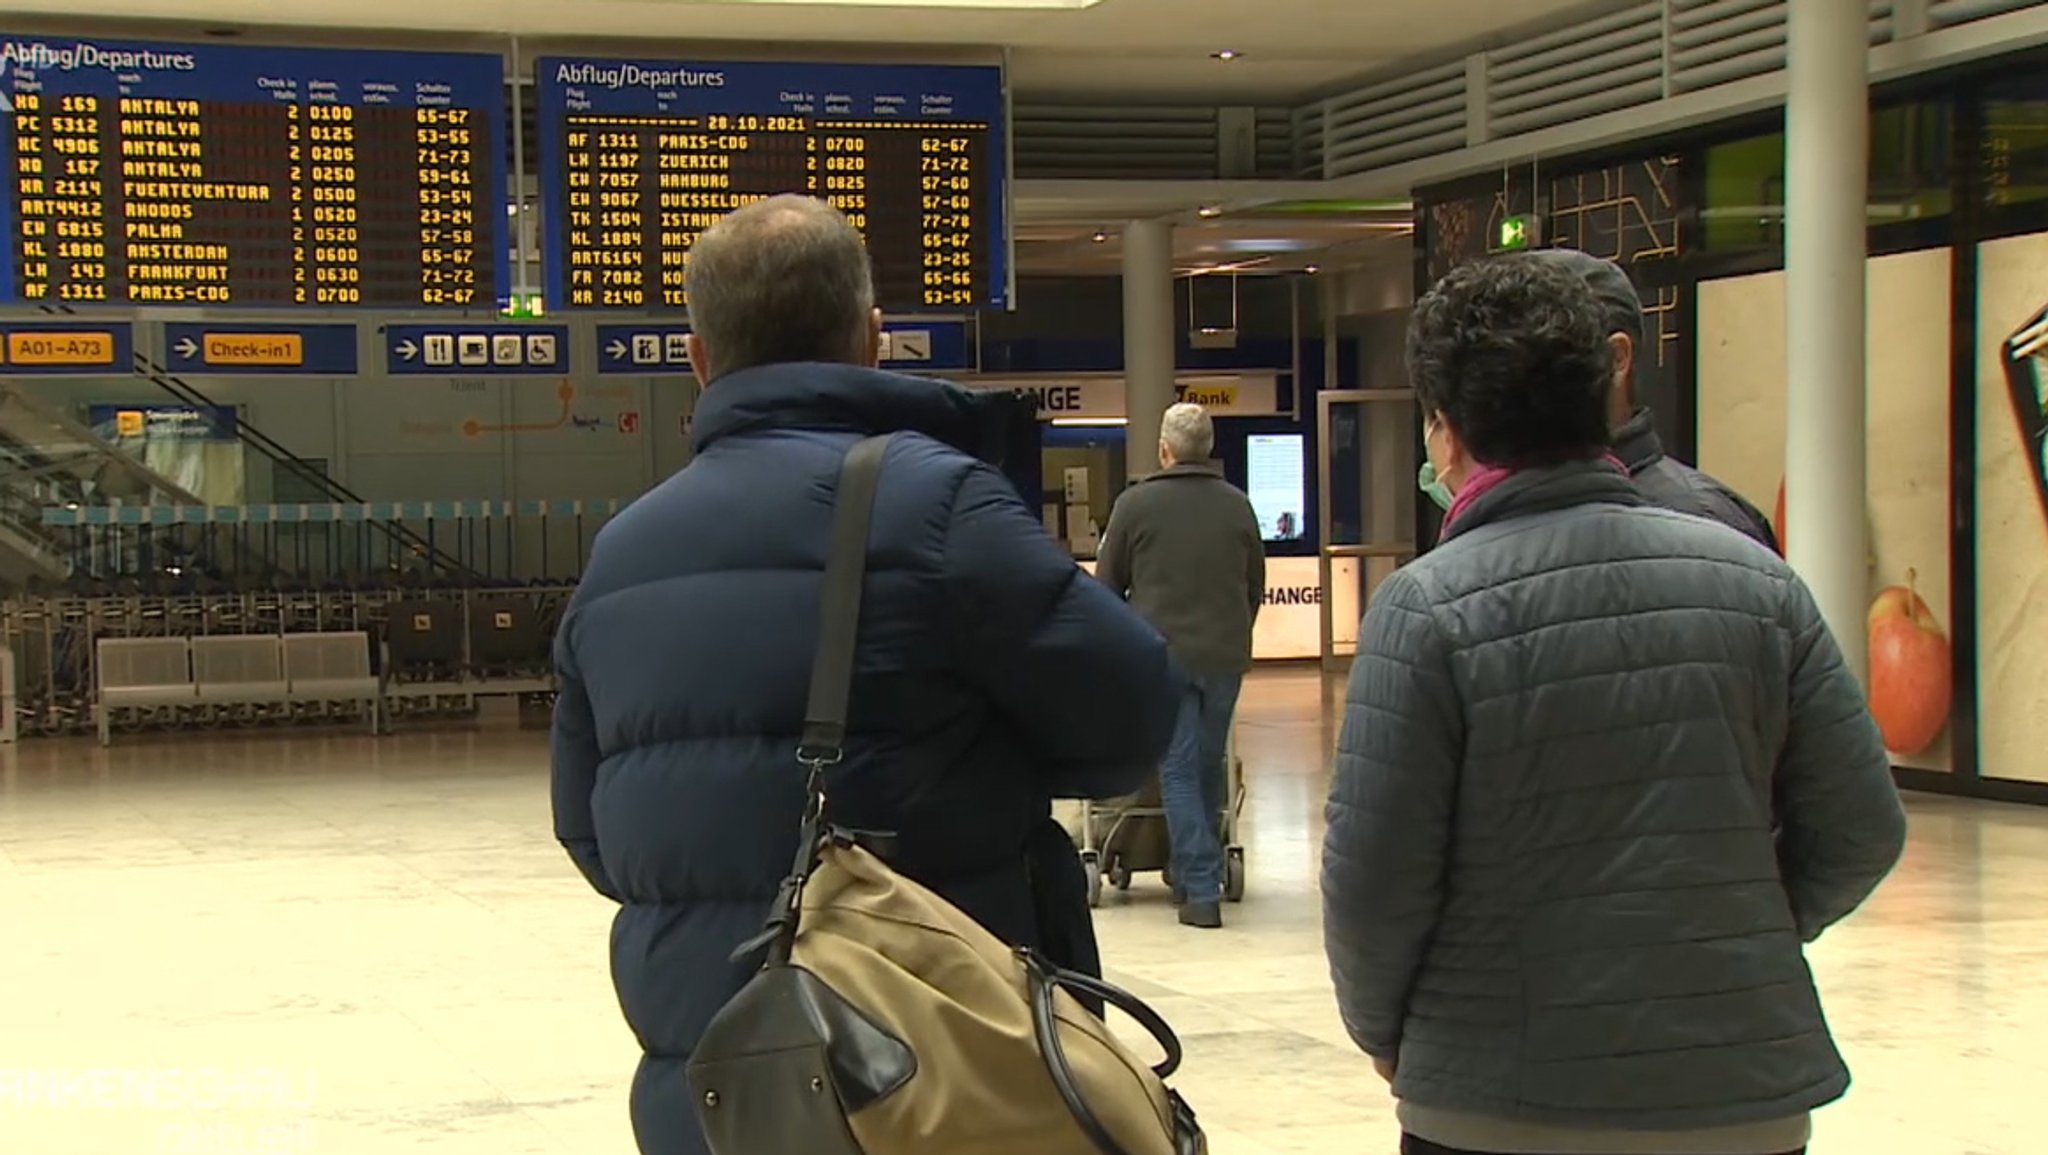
x,y
991,675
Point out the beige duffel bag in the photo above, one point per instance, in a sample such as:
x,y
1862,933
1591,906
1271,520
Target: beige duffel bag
x,y
887,1022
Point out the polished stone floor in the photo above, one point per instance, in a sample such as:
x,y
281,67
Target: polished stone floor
x,y
327,943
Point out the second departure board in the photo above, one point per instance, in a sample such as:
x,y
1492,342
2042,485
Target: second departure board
x,y
639,158
224,175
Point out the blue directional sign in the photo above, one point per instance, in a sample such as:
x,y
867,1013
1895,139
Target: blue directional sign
x,y
75,346
234,349
462,350
217,175
909,345
642,350
638,158
919,346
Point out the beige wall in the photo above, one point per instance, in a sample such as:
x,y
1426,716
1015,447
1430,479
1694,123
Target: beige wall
x,y
1742,415
2012,534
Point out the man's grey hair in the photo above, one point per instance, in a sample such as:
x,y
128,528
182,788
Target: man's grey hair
x,y
783,279
1188,432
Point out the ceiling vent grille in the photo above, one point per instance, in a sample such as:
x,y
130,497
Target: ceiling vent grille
x,y
1275,147
1596,66
1407,118
1627,58
1949,13
1092,142
1722,41
1308,142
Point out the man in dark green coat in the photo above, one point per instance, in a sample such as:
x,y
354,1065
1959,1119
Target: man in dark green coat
x,y
1184,546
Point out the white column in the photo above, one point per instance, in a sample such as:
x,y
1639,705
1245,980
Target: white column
x,y
1148,340
1827,154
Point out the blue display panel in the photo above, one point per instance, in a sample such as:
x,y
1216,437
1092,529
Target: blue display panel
x,y
237,349
909,345
637,158
76,345
642,350
217,175
481,350
918,345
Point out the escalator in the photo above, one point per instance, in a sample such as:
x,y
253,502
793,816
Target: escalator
x,y
423,558
51,460
403,539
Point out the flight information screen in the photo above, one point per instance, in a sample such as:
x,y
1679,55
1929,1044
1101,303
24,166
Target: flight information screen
x,y
190,174
639,158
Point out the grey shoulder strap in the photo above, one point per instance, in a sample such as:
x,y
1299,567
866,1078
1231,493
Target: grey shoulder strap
x,y
824,737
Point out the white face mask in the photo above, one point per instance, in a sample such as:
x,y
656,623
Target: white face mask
x,y
1426,479
1433,488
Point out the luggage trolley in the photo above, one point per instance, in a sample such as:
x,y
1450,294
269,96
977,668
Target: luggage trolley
x,y
1127,837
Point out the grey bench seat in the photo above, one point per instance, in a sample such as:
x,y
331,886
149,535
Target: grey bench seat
x,y
239,669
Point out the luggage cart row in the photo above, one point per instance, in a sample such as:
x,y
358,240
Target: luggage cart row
x,y
1122,839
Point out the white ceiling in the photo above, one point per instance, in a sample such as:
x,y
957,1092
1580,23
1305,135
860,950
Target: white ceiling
x,y
1132,50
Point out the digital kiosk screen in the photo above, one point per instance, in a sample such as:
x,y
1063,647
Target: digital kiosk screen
x,y
1276,480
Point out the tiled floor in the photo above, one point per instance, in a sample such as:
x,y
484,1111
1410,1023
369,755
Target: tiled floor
x,y
262,946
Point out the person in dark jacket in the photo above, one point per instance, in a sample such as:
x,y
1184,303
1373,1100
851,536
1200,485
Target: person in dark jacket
x,y
1602,774
1185,547
992,675
1664,480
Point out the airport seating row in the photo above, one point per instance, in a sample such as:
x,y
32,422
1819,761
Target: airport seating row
x,y
234,670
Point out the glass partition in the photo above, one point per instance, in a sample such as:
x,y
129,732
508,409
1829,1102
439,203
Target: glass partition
x,y
1366,486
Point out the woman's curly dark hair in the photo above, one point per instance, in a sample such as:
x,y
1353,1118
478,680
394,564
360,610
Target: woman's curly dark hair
x,y
1513,353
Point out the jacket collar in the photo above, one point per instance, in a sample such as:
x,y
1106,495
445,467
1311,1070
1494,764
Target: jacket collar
x,y
1637,443
1532,491
1189,469
843,398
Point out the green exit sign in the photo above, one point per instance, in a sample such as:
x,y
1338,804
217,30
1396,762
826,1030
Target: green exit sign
x,y
1516,233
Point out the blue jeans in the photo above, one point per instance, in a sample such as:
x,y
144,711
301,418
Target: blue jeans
x,y
1194,783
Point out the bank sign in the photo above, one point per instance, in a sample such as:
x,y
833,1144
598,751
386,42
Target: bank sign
x,y
1096,398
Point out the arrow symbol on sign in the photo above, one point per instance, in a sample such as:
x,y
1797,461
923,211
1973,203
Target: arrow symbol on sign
x,y
186,347
407,350
617,348
912,345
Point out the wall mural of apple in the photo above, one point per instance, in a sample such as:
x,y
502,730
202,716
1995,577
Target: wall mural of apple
x,y
1911,678
1742,371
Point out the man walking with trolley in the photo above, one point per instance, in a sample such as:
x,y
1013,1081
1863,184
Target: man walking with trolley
x,y
1184,546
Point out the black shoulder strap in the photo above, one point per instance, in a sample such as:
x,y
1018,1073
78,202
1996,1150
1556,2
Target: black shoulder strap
x,y
824,737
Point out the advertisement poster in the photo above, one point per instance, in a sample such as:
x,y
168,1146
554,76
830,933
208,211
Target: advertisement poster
x,y
2012,511
1742,382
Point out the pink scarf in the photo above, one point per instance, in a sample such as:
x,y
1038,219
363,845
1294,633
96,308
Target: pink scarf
x,y
1485,477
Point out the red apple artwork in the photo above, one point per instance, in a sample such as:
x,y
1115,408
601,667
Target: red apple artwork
x,y
1910,686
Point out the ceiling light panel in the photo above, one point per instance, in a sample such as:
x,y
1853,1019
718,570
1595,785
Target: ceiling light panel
x,y
1013,5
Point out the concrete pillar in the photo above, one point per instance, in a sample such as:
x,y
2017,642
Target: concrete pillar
x,y
1148,340
1827,157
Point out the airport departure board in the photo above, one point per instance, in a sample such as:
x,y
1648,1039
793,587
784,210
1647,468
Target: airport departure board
x,y
639,158
227,175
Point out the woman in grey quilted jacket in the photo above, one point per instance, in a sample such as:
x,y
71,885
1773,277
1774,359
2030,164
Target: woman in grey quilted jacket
x,y
1603,773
